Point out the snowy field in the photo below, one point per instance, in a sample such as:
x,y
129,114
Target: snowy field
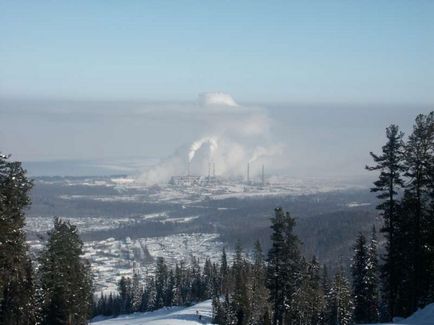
x,y
189,316
200,313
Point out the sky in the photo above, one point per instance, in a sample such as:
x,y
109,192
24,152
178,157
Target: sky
x,y
259,51
310,84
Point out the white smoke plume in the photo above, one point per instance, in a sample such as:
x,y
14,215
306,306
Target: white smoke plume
x,y
261,152
236,135
217,99
211,141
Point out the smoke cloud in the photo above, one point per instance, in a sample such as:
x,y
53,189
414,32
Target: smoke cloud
x,y
237,135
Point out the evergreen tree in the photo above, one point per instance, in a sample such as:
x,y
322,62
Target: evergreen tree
x,y
419,157
125,294
365,280
390,165
149,293
308,299
65,279
136,292
339,309
170,288
224,273
359,270
372,291
16,276
258,291
161,275
240,300
283,271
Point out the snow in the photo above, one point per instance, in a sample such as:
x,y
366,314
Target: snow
x,y
165,316
424,316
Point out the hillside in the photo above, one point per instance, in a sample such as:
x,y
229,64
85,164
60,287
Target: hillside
x,y
165,316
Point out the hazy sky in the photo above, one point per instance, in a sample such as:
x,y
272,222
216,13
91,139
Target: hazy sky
x,y
278,51
316,81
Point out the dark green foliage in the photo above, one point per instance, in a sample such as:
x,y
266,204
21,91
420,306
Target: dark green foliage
x,y
16,275
406,189
390,165
283,271
65,280
365,285
339,303
258,291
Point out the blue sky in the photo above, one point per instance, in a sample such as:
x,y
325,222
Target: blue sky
x,y
258,51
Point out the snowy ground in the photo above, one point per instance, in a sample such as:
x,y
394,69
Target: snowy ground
x,y
166,316
423,316
189,316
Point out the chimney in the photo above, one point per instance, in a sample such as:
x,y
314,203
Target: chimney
x,y
263,176
213,169
248,173
188,172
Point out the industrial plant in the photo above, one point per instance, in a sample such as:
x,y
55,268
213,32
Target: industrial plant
x,y
212,179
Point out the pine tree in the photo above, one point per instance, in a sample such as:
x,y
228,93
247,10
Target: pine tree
x,y
16,276
283,271
419,157
388,185
240,300
359,270
372,291
125,294
161,274
65,278
149,293
136,292
339,302
170,288
224,273
258,292
325,288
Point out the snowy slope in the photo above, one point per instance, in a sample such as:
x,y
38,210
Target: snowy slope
x,y
165,316
424,316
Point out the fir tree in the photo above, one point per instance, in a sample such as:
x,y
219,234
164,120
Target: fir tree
x,y
372,285
224,273
136,292
283,271
258,291
16,276
240,300
419,157
125,294
359,270
339,309
161,274
65,278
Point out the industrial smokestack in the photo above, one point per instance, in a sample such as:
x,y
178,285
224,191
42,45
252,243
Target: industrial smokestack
x,y
248,173
263,176
213,169
209,171
188,171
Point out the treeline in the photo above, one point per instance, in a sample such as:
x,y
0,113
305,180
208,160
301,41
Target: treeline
x,y
279,288
405,188
183,285
59,289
